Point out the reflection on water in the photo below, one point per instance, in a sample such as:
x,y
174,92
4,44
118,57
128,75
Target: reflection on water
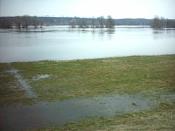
x,y
160,33
63,43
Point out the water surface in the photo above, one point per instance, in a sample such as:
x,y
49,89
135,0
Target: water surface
x,y
62,43
49,114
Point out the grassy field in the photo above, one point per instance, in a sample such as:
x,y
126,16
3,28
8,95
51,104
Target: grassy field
x,y
10,92
148,75
70,79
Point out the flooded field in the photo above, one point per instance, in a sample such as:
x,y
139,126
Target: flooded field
x,y
48,114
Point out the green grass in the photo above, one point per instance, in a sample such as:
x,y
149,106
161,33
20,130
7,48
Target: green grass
x,y
10,93
130,75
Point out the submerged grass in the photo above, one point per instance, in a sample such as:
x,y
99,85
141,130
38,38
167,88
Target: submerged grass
x,y
129,75
159,119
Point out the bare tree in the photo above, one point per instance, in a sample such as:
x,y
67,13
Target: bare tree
x,y
101,22
73,23
92,23
110,22
158,23
82,23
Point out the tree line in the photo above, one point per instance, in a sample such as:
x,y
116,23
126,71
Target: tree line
x,y
26,21
77,22
99,22
160,22
20,22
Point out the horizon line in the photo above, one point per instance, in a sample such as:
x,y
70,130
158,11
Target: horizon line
x,y
85,17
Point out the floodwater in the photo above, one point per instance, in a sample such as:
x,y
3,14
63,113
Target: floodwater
x,y
49,114
63,43
39,77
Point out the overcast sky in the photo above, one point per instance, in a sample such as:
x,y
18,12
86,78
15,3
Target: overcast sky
x,y
89,8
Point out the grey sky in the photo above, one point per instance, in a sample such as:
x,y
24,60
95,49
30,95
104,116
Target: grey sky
x,y
89,8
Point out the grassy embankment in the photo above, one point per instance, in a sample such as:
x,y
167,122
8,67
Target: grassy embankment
x,y
149,75
101,76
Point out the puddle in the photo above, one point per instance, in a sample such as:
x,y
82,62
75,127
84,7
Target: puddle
x,y
23,84
48,114
41,76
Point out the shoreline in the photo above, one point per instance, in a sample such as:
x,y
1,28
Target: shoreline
x,y
84,59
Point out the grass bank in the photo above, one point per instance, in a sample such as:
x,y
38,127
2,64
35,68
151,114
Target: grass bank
x,y
68,79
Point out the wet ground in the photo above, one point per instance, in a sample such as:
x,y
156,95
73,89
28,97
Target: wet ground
x,y
22,82
49,114
40,77
46,114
